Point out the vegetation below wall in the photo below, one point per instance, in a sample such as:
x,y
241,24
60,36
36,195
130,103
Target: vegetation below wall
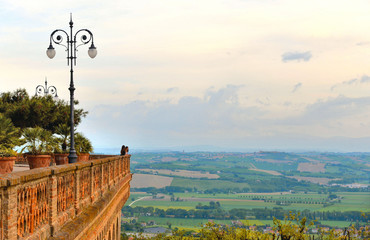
x,y
292,228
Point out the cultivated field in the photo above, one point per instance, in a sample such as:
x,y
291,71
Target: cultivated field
x,y
271,160
206,184
257,182
148,180
182,173
168,159
311,167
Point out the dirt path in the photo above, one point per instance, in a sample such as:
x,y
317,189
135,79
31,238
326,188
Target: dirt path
x,y
220,200
139,200
275,173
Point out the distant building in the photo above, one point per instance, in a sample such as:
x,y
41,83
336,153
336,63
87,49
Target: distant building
x,y
314,230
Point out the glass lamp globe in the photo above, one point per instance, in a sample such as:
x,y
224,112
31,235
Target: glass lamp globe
x,y
50,52
92,51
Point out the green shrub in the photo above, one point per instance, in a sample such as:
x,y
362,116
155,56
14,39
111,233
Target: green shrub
x,y
10,137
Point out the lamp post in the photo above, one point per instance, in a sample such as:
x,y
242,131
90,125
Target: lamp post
x,y
71,46
43,91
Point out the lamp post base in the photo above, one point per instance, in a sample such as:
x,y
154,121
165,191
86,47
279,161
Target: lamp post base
x,y
72,158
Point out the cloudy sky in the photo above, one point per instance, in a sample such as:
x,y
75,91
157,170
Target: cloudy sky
x,y
185,74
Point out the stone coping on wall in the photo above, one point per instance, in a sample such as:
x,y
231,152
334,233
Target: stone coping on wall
x,y
14,178
22,159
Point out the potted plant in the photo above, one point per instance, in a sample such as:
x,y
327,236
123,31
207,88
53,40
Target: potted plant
x,y
83,147
10,137
39,144
60,151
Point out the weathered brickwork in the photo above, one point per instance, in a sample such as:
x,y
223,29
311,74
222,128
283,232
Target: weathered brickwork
x,y
74,201
107,225
65,192
96,182
112,231
105,175
32,207
1,215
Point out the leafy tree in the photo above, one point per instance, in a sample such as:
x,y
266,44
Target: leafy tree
x,y
45,112
332,196
290,230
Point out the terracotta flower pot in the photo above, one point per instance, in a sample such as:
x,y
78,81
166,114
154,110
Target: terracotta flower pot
x,y
83,157
38,161
6,164
61,158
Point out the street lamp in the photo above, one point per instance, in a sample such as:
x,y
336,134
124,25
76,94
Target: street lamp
x,y
71,49
43,91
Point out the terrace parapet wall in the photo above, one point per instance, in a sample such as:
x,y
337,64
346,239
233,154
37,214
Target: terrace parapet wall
x,y
22,159
41,203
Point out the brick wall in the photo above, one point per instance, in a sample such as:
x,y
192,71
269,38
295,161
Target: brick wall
x,y
42,203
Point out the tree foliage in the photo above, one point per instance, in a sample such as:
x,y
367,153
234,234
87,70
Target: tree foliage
x,y
214,211
9,137
45,112
82,144
39,141
62,131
